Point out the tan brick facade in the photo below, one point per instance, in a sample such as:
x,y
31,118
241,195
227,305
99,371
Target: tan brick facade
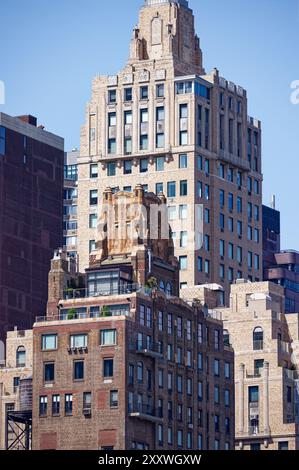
x,y
16,366
265,341
182,112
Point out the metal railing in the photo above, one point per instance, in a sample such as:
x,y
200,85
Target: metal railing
x,y
83,316
149,346
72,294
147,410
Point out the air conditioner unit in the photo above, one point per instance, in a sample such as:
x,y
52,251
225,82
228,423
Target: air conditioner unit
x,y
87,412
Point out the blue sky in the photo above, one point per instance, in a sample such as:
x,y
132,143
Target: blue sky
x,y
51,50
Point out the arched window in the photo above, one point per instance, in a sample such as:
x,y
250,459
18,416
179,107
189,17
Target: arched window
x,y
21,357
162,286
226,338
169,288
258,339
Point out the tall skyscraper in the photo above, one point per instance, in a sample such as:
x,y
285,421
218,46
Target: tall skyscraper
x,y
31,205
165,123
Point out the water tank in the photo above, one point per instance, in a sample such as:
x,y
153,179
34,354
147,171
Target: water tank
x,y
25,392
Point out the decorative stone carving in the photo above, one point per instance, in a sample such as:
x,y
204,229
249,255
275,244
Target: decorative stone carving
x,y
127,79
112,80
160,74
144,76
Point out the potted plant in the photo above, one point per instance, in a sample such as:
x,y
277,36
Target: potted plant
x,y
151,283
71,314
105,312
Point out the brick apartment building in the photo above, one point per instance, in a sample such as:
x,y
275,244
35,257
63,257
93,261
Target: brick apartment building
x,y
120,362
31,204
165,123
266,346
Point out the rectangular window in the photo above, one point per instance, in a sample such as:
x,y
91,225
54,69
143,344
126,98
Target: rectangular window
x,y
183,239
216,394
43,406
159,188
55,405
171,189
78,372
183,263
183,212
184,188
92,245
112,119
127,167
93,171
128,94
160,164
112,96
93,197
108,368
49,372
144,92
49,342
108,337
68,405
160,91
183,161
78,341
111,169
93,220
143,165
183,138
111,146
113,398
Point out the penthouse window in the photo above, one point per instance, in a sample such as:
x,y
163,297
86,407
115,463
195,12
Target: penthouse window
x,y
108,337
184,87
49,342
21,356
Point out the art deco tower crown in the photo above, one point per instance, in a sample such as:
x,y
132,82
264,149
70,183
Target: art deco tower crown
x,y
166,34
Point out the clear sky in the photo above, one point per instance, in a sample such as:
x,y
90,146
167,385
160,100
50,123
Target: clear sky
x,y
51,50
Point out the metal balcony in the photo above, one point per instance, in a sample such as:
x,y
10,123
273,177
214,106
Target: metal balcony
x,y
149,349
145,413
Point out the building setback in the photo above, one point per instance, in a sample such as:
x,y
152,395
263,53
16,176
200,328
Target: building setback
x,y
120,362
266,346
31,204
165,123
